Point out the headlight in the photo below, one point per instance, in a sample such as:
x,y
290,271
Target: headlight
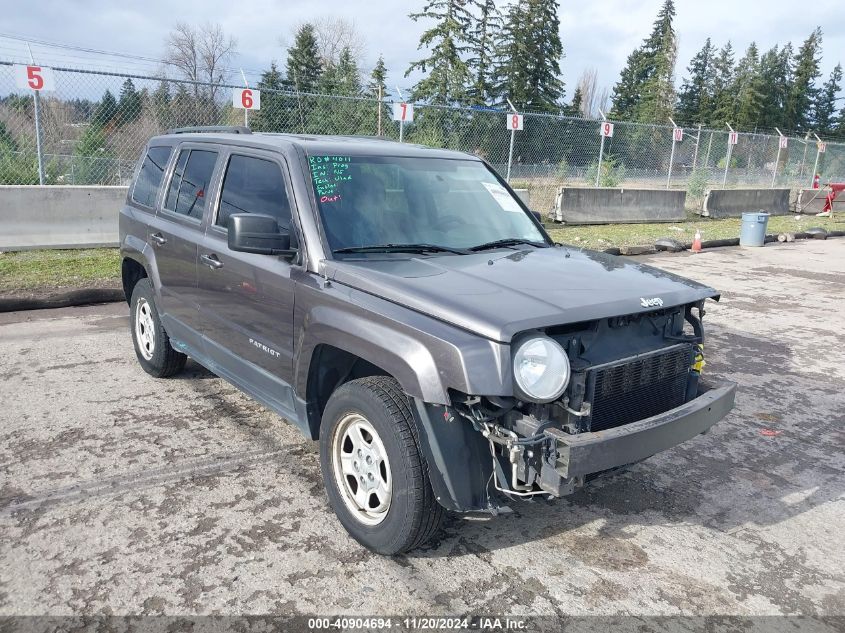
x,y
540,369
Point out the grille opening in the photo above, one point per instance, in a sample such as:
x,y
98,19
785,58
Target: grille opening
x,y
639,389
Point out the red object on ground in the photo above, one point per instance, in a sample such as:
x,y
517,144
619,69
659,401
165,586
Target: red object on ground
x,y
696,242
816,180
835,189
770,432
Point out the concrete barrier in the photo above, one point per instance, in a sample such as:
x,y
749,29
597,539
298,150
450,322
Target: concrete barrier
x,y
59,216
524,196
812,201
731,203
610,205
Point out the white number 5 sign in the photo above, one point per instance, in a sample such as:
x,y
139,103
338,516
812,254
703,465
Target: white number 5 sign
x,y
36,78
246,99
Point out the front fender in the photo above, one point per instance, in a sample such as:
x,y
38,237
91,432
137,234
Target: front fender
x,y
427,357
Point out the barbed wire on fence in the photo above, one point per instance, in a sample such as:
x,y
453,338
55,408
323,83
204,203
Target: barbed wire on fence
x,y
94,125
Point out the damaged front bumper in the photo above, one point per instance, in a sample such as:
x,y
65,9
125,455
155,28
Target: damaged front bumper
x,y
472,471
588,453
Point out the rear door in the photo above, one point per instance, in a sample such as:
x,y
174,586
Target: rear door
x,y
246,300
174,234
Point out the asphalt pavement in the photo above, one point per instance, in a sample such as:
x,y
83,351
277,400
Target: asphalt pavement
x,y
122,494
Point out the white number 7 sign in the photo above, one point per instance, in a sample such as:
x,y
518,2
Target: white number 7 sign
x,y
403,111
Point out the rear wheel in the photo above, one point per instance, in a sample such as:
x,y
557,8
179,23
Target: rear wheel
x,y
375,477
152,345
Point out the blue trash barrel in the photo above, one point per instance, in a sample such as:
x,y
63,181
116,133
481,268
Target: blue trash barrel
x,y
753,231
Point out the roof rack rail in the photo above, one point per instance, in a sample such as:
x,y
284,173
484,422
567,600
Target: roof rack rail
x,y
230,129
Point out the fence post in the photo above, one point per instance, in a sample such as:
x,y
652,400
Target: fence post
x,y
510,156
38,149
671,154
804,157
379,109
777,158
728,156
709,147
816,164
697,143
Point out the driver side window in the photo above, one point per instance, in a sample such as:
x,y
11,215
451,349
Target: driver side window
x,y
254,185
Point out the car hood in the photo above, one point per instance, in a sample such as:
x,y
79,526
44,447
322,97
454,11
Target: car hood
x,y
499,293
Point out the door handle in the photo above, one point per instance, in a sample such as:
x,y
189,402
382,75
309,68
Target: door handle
x,y
158,238
211,261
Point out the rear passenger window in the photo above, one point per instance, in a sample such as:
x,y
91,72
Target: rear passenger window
x,y
150,176
253,185
189,184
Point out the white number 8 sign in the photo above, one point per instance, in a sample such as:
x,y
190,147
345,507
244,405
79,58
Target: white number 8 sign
x,y
514,121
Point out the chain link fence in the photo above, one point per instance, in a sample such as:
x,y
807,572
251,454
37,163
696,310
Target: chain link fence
x,y
94,125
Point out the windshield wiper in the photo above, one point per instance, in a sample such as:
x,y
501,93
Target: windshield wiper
x,y
401,248
508,241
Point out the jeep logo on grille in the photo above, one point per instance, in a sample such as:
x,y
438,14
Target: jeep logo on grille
x,y
654,302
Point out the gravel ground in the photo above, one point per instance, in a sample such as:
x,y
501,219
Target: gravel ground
x,y
121,494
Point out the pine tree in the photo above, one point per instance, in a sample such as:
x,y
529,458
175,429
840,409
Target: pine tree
x,y
626,92
377,86
724,99
776,77
484,35
275,104
645,91
106,110
824,109
531,50
695,101
802,94
303,65
840,123
129,106
446,72
574,107
749,89
342,76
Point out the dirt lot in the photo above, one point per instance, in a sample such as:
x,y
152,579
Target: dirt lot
x,y
121,494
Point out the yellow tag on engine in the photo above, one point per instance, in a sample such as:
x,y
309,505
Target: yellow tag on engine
x,y
699,362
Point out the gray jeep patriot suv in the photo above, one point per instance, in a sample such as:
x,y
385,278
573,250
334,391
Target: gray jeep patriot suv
x,y
404,307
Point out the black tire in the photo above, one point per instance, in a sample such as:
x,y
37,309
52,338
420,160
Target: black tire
x,y
164,361
414,515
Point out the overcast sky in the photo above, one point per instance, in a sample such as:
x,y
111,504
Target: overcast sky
x,y
596,33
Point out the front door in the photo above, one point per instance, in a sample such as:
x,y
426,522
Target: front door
x,y
246,300
174,234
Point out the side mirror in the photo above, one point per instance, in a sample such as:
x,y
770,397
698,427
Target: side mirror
x,y
260,234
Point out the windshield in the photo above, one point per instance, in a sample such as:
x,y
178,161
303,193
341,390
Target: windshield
x,y
380,200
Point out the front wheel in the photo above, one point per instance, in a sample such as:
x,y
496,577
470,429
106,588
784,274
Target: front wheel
x,y
375,477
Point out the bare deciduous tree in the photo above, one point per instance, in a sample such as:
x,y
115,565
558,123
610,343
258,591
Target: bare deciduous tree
x,y
588,85
200,54
333,35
